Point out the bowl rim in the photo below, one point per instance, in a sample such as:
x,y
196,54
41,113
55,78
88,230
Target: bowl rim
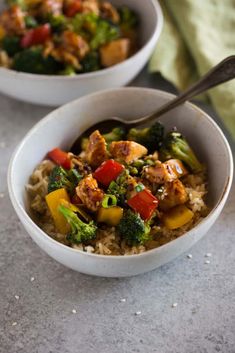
x,y
21,211
110,70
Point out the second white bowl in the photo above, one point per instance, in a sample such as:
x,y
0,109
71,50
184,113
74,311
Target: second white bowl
x,y
57,90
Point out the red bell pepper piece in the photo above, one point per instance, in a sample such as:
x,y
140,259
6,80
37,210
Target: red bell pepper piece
x,y
143,203
108,171
36,36
60,157
73,8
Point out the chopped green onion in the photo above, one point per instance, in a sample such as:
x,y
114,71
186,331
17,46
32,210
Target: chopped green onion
x,y
139,163
109,201
149,162
139,187
133,170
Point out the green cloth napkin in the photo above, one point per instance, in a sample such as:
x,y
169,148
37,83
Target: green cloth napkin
x,y
197,34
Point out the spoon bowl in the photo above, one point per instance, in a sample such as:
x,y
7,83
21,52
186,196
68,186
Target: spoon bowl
x,y
223,72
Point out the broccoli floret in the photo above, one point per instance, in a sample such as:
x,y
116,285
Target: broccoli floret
x,y
117,134
97,31
176,146
11,44
58,23
61,178
91,62
150,137
80,231
133,229
85,23
105,33
31,60
128,18
164,154
68,71
30,22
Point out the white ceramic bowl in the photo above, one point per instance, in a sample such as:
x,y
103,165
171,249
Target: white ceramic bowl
x,y
61,128
57,90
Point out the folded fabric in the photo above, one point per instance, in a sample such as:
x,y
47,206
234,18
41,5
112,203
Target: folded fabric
x,y
196,36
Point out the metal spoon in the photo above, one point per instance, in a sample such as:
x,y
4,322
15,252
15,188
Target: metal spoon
x,y
223,72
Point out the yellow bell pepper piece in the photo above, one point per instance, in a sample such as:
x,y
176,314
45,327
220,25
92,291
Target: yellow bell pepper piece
x,y
111,216
177,217
2,33
54,200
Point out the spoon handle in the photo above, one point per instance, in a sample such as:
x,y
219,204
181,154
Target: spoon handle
x,y
223,72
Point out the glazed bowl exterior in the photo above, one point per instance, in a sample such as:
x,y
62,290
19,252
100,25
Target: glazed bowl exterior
x,y
57,90
61,128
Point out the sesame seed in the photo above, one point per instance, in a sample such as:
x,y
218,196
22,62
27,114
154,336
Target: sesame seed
x,y
32,279
208,254
17,297
123,300
2,144
1,195
14,323
174,305
189,256
155,201
207,262
74,311
138,313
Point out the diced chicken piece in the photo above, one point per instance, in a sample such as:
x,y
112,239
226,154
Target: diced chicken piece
x,y
74,44
160,173
66,57
174,194
127,151
48,48
89,192
61,54
96,152
72,49
90,6
12,20
177,167
115,52
108,11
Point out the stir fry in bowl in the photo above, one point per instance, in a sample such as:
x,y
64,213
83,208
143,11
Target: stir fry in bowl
x,y
65,37
126,191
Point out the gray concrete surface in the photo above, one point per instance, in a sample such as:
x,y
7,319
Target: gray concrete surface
x,y
36,315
